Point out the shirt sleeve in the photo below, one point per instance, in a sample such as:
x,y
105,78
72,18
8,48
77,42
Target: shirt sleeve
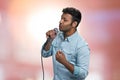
x,y
81,68
46,53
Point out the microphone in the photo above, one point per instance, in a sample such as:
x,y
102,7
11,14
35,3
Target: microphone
x,y
50,39
56,31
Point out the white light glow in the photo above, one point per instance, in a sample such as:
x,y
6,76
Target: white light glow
x,y
47,76
97,62
41,21
2,73
94,76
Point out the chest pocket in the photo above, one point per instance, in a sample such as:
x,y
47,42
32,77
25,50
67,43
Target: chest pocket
x,y
70,55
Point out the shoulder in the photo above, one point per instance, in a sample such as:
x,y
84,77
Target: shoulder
x,y
81,42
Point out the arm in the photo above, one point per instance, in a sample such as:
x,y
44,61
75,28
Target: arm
x,y
60,57
47,44
81,68
47,48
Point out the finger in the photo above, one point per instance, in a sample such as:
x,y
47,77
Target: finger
x,y
60,52
48,33
57,54
52,34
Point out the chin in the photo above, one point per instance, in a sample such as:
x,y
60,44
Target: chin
x,y
60,29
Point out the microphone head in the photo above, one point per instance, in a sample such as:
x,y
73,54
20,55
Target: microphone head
x,y
56,30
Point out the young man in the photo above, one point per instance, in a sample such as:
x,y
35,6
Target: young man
x,y
69,51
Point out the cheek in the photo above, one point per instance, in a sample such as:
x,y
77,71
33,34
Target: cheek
x,y
66,24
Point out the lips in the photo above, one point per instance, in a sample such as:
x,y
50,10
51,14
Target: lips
x,y
60,26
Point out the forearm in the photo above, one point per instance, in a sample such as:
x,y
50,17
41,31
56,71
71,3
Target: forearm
x,y
46,49
69,66
47,44
75,70
46,53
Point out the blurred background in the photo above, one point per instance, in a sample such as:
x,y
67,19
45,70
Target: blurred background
x,y
23,24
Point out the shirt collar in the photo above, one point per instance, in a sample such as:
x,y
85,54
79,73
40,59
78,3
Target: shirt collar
x,y
70,38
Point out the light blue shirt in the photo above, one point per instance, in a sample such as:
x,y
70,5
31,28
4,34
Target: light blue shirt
x,y
76,52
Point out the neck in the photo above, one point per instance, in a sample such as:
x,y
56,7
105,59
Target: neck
x,y
69,33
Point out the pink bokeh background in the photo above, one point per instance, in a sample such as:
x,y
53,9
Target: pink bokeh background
x,y
23,24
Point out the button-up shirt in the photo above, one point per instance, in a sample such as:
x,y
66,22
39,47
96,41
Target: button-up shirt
x,y
76,52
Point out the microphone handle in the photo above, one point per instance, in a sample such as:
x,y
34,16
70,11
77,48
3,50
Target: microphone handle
x,y
49,40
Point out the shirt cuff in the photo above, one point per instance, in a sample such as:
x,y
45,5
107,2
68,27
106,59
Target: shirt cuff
x,y
76,71
45,53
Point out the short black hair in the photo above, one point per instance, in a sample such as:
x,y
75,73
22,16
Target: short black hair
x,y
75,13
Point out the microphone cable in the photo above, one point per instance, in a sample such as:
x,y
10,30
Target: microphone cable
x,y
42,66
56,31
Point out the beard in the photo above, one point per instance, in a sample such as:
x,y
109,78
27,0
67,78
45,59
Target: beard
x,y
65,28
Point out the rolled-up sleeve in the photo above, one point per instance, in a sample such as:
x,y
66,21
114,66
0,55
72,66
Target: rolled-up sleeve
x,y
46,53
81,68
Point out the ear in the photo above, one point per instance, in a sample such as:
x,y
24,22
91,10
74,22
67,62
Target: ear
x,y
74,24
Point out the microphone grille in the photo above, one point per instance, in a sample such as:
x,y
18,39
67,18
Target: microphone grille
x,y
56,30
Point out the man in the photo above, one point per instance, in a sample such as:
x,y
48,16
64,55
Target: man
x,y
69,51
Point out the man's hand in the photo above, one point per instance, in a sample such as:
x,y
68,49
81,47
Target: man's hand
x,y
51,34
60,57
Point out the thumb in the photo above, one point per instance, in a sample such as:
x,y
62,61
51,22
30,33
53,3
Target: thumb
x,y
60,52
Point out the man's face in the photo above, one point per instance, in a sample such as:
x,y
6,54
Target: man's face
x,y
65,23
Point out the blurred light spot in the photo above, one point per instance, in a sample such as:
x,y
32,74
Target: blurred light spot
x,y
1,73
98,59
41,21
29,79
47,76
0,18
94,76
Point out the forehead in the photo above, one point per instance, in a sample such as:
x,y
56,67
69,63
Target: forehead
x,y
66,15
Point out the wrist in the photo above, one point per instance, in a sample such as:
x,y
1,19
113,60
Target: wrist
x,y
47,44
65,63
69,66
